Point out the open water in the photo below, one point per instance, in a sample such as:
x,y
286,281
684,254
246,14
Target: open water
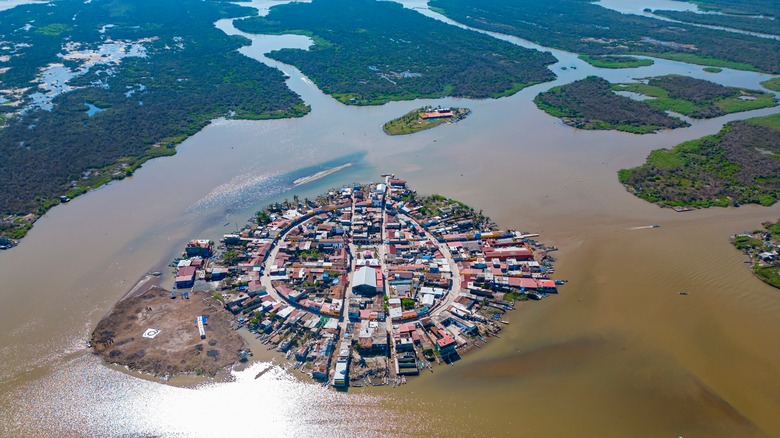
x,y
618,353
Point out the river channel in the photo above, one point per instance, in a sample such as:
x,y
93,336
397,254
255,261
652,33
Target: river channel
x,y
618,353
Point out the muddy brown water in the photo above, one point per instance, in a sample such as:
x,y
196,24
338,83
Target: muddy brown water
x,y
619,352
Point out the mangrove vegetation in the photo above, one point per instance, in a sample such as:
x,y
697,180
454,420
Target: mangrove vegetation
x,y
591,103
738,165
155,71
584,27
369,52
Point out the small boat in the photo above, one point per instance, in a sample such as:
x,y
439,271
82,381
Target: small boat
x,y
156,273
683,293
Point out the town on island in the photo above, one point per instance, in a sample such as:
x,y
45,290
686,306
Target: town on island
x,y
363,286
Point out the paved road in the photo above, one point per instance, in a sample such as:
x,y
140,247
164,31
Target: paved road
x,y
265,279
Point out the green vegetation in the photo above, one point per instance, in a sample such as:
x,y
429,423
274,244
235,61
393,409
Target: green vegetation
x,y
263,217
590,103
740,7
411,122
691,58
712,69
768,274
698,98
407,303
739,165
611,61
771,84
771,121
231,256
761,246
370,52
311,254
583,27
751,24
191,73
744,243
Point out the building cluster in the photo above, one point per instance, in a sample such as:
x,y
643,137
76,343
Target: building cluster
x,y
370,283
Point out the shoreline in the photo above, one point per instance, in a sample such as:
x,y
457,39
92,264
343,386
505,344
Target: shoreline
x,y
423,119
153,333
318,282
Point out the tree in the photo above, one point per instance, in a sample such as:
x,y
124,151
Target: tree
x,y
230,256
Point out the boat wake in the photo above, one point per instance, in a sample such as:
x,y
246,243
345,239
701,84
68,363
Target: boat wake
x,y
644,227
319,175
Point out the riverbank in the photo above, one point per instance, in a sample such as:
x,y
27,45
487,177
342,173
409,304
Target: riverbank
x,y
157,334
762,247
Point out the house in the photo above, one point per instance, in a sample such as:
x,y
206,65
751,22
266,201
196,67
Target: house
x,y
199,247
185,277
446,346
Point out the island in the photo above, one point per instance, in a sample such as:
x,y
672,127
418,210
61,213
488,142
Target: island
x,y
761,246
738,165
586,28
371,52
612,61
92,90
424,118
745,15
591,103
594,103
697,98
366,285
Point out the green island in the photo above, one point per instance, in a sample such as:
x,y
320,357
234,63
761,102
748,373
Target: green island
x,y
423,118
738,165
591,103
612,61
712,69
772,84
739,7
569,25
369,52
698,98
762,248
150,72
758,23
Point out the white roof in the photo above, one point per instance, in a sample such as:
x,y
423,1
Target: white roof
x,y
365,276
284,313
396,312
